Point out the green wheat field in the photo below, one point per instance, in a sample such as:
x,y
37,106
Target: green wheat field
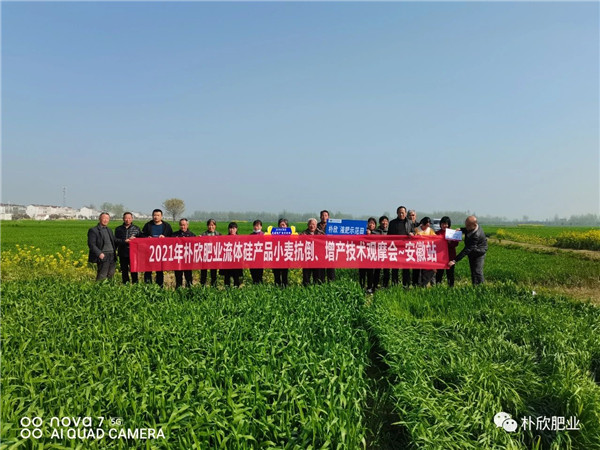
x,y
300,368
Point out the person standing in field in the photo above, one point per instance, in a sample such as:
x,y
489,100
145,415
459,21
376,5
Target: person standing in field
x,y
322,226
475,248
445,223
156,228
316,274
425,275
415,273
211,230
366,276
401,226
123,235
102,245
236,274
257,274
384,222
281,275
179,274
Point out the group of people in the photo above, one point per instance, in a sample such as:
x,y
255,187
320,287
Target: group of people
x,y
105,246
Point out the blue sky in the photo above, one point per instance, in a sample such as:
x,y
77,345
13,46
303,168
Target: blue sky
x,y
358,107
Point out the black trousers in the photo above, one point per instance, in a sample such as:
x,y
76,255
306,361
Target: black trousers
x,y
439,276
383,275
405,277
415,278
236,274
366,278
213,277
330,274
257,275
160,278
281,277
316,274
125,266
179,274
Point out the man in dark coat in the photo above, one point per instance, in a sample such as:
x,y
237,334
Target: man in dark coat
x,y
475,248
179,274
402,226
123,234
101,242
156,228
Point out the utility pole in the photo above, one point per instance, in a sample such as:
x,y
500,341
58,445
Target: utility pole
x,y
64,196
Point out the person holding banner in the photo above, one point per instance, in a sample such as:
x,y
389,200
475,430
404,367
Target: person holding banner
x,y
317,274
475,248
211,230
322,226
179,274
366,276
402,226
257,274
123,235
415,273
281,275
424,276
382,229
236,274
156,228
445,223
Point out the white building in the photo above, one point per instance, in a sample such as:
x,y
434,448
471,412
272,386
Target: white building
x,y
8,210
88,213
45,212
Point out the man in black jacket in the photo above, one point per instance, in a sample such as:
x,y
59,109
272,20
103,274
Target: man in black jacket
x,y
156,228
402,226
101,242
179,274
475,248
123,234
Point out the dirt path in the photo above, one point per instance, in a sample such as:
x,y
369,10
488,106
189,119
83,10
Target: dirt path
x,y
587,254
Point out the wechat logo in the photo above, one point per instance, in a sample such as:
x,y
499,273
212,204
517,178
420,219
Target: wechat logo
x,y
505,421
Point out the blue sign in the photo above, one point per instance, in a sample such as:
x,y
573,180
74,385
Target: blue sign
x,y
343,226
280,231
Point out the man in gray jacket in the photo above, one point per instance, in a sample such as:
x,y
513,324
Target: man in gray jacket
x,y
475,248
101,242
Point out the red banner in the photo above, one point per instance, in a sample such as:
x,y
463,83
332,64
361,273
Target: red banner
x,y
280,252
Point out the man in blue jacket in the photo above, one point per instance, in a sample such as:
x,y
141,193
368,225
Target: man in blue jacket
x,y
475,248
156,228
101,242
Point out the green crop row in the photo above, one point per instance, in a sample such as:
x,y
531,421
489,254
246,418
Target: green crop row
x,y
546,268
50,236
458,357
260,367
